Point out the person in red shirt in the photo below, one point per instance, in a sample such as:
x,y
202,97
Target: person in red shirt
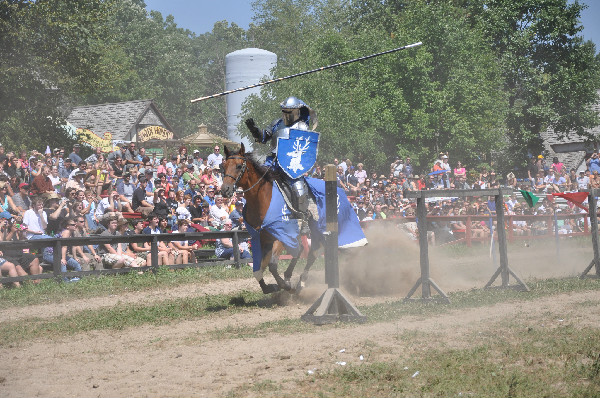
x,y
42,183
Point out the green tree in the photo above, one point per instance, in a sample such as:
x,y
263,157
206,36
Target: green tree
x,y
150,57
441,96
48,49
549,73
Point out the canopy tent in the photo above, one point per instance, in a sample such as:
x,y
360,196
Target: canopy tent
x,y
204,139
201,139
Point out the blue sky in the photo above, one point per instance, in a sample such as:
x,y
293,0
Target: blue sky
x,y
199,16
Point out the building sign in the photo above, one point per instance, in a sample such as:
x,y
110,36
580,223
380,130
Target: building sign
x,y
154,133
88,137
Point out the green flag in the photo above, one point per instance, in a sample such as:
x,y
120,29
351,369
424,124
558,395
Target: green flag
x,y
530,198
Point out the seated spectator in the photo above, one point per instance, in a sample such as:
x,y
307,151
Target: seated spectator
x,y
55,178
154,228
208,178
66,259
583,181
139,202
85,255
6,267
125,188
117,169
108,207
236,215
20,260
6,202
115,255
161,208
210,195
21,199
369,216
143,250
195,209
224,246
65,171
36,220
185,250
594,180
74,156
540,183
218,212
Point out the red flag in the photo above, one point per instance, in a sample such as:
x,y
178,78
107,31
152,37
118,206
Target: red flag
x,y
577,198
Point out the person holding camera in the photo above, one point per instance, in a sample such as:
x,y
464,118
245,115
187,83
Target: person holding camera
x,y
24,262
593,163
109,206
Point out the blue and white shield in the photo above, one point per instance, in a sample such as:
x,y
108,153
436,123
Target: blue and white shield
x,y
297,154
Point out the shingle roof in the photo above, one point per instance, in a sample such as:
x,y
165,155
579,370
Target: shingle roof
x,y
570,159
120,119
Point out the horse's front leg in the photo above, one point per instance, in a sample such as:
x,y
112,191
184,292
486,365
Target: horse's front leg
x,y
287,275
267,253
310,260
277,250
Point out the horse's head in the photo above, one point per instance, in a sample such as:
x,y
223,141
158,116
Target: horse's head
x,y
234,167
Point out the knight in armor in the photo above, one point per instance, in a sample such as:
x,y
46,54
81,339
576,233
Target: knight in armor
x,y
295,115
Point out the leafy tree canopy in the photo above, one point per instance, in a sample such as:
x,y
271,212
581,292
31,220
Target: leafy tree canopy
x,y
490,76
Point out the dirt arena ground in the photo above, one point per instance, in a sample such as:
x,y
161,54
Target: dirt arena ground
x,y
184,359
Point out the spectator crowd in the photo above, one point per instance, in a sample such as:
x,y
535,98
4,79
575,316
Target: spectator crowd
x,y
132,191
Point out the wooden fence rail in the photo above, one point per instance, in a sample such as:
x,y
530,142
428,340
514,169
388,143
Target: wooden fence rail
x,y
58,243
548,231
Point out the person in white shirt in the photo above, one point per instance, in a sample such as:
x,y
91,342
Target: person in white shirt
x,y
110,206
55,178
583,181
36,221
215,159
218,212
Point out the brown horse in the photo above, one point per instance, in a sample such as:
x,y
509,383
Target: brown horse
x,y
242,170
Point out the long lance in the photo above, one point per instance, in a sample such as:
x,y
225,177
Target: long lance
x,y
305,73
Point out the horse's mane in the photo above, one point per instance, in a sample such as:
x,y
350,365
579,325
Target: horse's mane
x,y
270,173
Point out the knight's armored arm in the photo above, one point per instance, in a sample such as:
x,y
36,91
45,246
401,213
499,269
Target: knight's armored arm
x,y
256,133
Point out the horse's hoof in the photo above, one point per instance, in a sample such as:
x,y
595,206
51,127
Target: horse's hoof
x,y
268,289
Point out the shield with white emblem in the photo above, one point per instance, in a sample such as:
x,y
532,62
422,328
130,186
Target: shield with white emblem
x,y
297,153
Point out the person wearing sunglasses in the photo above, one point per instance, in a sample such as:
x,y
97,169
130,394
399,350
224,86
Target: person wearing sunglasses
x,y
216,158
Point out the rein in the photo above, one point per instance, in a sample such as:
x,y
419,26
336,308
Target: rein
x,y
244,168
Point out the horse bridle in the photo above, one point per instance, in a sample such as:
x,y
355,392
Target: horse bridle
x,y
244,168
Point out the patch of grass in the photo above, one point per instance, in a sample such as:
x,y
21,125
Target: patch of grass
x,y
394,310
513,361
516,363
127,315
96,286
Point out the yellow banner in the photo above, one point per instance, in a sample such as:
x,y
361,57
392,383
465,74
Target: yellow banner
x,y
154,133
88,137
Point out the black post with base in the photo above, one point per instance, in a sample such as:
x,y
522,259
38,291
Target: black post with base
x,y
333,305
504,270
425,281
593,212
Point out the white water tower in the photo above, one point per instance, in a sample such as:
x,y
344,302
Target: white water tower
x,y
244,68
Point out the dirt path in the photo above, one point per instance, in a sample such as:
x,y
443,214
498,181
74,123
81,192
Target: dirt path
x,y
181,359
188,359
50,310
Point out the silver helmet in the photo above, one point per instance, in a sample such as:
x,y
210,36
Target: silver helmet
x,y
295,110
293,103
